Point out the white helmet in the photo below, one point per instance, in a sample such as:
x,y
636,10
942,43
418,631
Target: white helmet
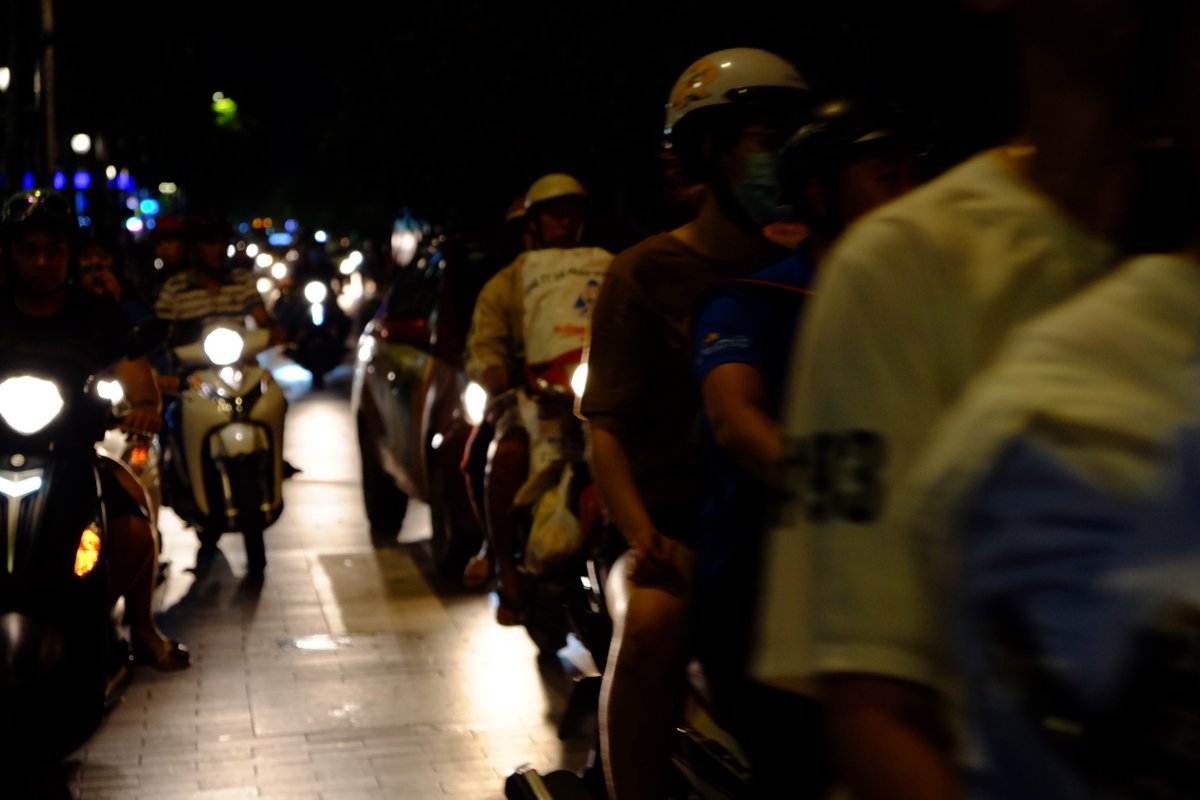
x,y
554,185
730,76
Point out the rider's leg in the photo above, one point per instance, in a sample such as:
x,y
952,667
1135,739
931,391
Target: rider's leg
x,y
507,470
474,462
133,559
642,691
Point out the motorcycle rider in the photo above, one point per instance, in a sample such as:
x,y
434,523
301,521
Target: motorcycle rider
x,y
848,158
727,116
555,210
911,304
209,289
169,256
44,314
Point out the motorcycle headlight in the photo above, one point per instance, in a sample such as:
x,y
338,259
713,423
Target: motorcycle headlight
x,y
315,292
110,391
474,402
29,404
223,347
579,380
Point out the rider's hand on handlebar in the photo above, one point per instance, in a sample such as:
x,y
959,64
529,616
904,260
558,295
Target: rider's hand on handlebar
x,y
168,384
142,419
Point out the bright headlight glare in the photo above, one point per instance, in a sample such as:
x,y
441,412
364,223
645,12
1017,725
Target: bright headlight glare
x,y
474,402
223,346
87,556
110,391
579,380
29,404
315,292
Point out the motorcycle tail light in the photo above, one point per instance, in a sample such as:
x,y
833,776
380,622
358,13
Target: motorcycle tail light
x,y
404,329
87,556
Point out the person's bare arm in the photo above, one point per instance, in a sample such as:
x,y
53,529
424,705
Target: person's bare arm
x,y
141,389
887,739
735,401
263,319
614,479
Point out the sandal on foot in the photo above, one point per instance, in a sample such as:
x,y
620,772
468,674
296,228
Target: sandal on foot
x,y
477,572
166,655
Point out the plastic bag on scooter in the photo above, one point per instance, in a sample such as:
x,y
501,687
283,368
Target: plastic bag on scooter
x,y
555,534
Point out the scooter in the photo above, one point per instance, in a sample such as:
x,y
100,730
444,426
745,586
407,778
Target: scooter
x,y
140,452
63,650
223,459
560,532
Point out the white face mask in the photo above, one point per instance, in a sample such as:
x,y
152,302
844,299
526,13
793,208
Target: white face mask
x,y
758,194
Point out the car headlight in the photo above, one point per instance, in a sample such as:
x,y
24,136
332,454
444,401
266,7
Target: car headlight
x,y
579,380
224,346
315,292
29,404
474,402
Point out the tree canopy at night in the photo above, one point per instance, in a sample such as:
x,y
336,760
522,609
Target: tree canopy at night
x,y
350,113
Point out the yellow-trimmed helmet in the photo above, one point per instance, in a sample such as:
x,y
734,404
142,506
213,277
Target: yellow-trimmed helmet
x,y
740,75
552,187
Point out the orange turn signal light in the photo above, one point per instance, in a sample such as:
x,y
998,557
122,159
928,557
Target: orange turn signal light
x,y
138,457
88,554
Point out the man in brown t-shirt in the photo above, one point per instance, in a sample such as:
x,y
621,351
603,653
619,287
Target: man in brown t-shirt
x,y
729,113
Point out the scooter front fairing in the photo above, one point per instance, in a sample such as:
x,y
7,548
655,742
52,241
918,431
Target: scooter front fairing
x,y
54,597
227,438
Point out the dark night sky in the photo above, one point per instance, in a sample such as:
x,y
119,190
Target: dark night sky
x,y
451,107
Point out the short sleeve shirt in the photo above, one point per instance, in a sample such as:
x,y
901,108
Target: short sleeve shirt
x,y
912,302
189,306
641,372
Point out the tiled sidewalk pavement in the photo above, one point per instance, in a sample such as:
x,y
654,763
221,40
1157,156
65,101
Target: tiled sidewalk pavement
x,y
345,676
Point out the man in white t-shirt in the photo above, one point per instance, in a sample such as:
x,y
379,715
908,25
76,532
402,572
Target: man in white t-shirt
x,y
912,302
1055,509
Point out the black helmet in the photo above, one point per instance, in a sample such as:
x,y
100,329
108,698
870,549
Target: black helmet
x,y
34,209
838,131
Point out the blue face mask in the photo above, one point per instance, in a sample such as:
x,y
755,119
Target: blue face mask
x,y
758,194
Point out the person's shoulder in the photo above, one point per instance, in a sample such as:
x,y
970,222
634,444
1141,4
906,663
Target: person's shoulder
x,y
651,250
103,312
937,211
176,282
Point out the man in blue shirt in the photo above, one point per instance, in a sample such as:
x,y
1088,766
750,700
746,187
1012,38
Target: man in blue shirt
x,y
849,158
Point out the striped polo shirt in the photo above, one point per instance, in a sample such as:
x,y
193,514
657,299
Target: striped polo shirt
x,y
187,303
